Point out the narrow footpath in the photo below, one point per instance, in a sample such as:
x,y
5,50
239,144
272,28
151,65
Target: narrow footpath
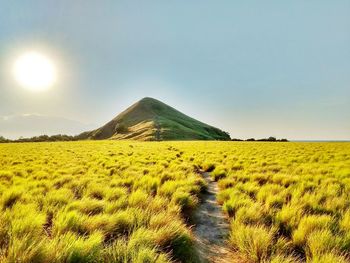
x,y
157,126
212,228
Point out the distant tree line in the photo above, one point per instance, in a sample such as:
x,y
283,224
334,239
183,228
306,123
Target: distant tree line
x,y
3,139
66,138
270,139
43,138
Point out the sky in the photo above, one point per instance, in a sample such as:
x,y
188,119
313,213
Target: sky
x,y
252,68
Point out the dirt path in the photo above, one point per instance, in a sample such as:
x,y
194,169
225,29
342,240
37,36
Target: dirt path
x,y
212,228
157,126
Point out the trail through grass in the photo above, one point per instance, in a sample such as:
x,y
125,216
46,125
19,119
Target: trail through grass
x,y
212,227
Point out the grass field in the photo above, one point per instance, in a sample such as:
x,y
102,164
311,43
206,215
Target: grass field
x,y
109,201
287,202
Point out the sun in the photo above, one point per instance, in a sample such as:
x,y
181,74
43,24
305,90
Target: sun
x,y
34,71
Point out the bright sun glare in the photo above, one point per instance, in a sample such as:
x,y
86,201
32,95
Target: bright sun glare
x,y
34,71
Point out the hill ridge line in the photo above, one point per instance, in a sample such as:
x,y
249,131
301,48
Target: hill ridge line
x,y
139,121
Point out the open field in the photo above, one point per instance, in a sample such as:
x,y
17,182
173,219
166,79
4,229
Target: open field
x,y
109,201
287,202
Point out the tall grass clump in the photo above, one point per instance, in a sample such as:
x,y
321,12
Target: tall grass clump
x,y
255,242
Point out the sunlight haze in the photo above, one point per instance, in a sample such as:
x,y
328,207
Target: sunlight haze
x,y
34,71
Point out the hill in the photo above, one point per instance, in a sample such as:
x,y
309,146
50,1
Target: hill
x,y
149,120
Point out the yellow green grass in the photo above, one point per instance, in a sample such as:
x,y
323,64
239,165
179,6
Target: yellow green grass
x,y
110,201
95,202
287,202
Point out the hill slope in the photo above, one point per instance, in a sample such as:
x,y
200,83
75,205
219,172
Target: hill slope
x,y
150,119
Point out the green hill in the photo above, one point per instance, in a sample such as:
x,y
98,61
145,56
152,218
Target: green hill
x,y
149,120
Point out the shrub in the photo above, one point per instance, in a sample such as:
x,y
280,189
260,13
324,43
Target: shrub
x,y
309,224
70,247
177,240
345,222
5,176
208,167
116,193
254,242
26,249
288,218
232,205
121,252
252,215
96,192
70,221
218,174
10,198
186,201
58,198
139,198
321,242
87,206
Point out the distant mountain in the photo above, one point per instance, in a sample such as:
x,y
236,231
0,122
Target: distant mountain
x,y
153,120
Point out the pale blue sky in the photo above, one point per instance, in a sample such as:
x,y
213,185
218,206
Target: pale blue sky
x,y
253,68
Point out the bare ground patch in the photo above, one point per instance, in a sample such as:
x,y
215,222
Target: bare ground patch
x,y
212,228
